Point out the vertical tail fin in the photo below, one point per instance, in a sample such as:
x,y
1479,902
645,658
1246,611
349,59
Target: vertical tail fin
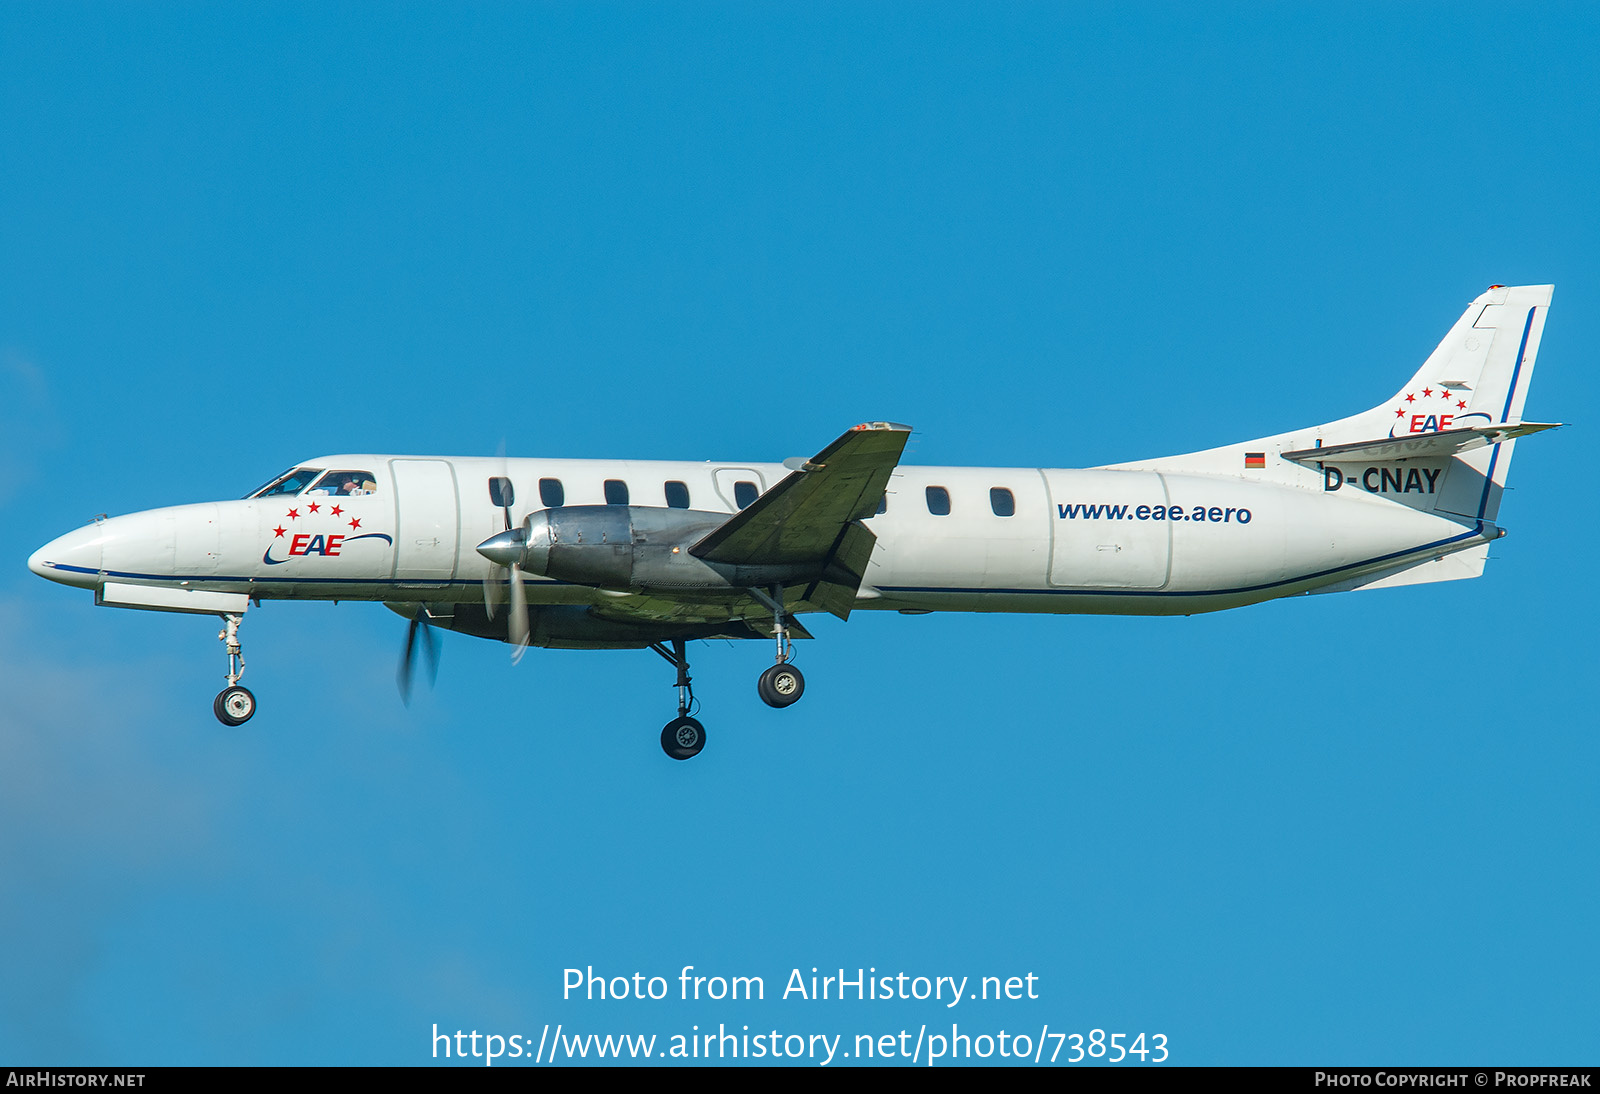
x,y
1477,378
1487,357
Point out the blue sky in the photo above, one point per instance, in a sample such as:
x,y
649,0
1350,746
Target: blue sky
x,y
235,237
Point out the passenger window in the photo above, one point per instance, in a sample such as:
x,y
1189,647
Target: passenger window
x,y
678,495
745,493
938,501
883,505
616,492
346,484
501,493
551,493
1002,502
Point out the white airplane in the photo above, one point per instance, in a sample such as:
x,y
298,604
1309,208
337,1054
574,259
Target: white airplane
x,y
609,554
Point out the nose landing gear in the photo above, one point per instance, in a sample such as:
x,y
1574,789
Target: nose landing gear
x,y
233,705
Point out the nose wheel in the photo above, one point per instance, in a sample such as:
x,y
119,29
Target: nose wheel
x,y
233,705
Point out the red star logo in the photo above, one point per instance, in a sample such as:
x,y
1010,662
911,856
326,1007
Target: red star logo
x,y
335,510
1461,404
1401,413
354,524
294,514
1427,391
312,508
1443,394
1411,398
277,533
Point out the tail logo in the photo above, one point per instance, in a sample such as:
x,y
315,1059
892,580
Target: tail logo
x,y
1431,410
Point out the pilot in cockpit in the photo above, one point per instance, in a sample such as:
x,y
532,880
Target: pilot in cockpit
x,y
346,483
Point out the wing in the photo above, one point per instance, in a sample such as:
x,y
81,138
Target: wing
x,y
813,514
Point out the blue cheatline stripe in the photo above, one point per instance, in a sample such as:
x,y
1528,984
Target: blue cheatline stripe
x,y
886,588
397,582
1198,592
1511,394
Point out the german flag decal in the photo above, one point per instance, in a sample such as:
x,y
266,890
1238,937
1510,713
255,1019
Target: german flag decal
x,y
1255,459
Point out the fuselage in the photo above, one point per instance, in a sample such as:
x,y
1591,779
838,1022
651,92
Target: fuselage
x,y
608,554
404,529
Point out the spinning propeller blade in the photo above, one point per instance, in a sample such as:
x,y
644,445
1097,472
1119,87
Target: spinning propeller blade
x,y
503,494
491,591
418,635
518,623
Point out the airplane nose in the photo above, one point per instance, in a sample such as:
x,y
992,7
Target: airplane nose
x,y
72,559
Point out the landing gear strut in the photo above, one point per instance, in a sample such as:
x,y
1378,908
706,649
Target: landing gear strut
x,y
683,737
233,705
781,685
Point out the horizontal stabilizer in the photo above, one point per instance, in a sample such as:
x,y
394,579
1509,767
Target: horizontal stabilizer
x,y
1449,442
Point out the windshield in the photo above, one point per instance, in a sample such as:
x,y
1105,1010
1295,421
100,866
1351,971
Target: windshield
x,y
347,483
290,482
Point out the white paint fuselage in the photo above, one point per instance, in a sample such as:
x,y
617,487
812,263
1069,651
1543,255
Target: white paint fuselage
x,y
1121,541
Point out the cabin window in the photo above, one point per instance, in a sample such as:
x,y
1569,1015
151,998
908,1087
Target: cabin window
x,y
552,493
290,482
501,492
616,492
745,493
1002,502
938,501
883,505
346,484
678,495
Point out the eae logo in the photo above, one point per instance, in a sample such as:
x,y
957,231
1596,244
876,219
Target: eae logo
x,y
1431,410
323,544
305,544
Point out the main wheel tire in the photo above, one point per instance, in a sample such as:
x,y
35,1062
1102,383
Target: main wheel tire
x,y
781,685
233,706
683,738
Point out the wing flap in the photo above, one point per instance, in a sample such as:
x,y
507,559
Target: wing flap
x,y
647,609
843,571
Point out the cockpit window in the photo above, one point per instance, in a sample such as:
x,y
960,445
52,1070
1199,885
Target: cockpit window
x,y
346,483
290,482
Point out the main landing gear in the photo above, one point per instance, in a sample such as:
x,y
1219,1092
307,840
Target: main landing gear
x,y
683,737
779,686
233,705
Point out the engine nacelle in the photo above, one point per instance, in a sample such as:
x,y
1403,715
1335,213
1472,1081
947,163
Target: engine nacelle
x,y
627,547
